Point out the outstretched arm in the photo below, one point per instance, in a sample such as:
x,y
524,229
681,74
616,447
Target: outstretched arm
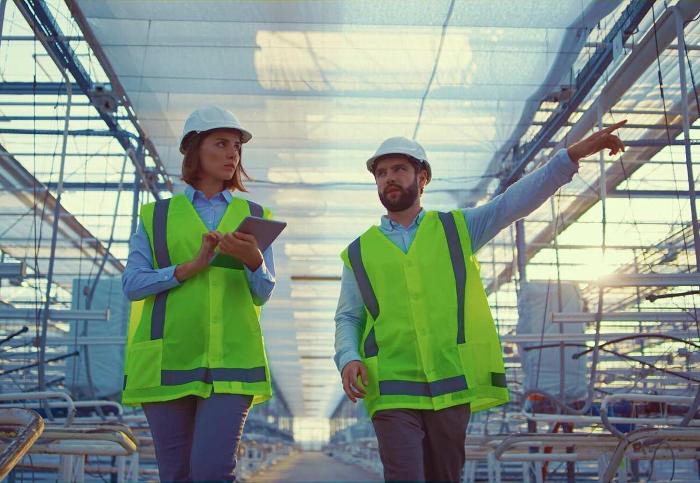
x,y
530,192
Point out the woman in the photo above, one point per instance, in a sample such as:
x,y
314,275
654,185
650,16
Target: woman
x,y
195,358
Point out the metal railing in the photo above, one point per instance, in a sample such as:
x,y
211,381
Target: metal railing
x,y
27,426
670,437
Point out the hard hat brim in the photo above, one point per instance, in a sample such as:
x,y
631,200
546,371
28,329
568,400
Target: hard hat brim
x,y
185,139
371,161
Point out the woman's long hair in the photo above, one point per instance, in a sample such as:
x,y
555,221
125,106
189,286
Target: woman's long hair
x,y
191,165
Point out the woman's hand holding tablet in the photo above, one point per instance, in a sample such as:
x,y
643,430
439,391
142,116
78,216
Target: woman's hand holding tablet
x,y
244,246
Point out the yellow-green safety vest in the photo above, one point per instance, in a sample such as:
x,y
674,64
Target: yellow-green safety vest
x,y
204,335
429,340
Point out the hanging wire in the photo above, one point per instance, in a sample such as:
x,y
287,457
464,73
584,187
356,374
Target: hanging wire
x,y
37,238
435,67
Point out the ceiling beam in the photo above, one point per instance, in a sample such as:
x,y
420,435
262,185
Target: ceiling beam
x,y
47,31
586,79
634,65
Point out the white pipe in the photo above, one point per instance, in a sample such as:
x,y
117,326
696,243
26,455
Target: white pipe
x,y
587,337
588,420
639,398
40,396
636,397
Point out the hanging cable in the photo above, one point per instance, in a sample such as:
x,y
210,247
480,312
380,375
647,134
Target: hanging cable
x,y
435,67
14,334
655,297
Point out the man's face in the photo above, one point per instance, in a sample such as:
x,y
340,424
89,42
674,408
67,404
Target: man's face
x,y
398,182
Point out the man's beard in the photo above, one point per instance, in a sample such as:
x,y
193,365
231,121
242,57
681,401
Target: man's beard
x,y
404,201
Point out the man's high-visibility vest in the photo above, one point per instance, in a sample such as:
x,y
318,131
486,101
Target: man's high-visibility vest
x,y
204,335
429,340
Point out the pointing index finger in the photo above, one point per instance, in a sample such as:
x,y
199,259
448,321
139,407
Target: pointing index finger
x,y
617,125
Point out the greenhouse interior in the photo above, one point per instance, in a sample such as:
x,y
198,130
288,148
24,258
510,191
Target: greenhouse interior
x,y
541,153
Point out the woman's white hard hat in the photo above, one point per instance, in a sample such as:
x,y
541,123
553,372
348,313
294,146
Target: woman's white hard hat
x,y
208,118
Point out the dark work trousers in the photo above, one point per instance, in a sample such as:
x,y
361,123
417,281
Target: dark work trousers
x,y
196,439
422,445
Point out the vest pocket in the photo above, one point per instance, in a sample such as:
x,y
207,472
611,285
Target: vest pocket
x,y
144,364
476,362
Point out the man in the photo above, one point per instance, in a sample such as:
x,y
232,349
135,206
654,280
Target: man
x,y
414,333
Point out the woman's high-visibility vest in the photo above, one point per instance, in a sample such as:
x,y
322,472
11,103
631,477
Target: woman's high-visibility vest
x,y
429,340
204,335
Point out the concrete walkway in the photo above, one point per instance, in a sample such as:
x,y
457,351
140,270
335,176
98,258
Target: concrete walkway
x,y
313,467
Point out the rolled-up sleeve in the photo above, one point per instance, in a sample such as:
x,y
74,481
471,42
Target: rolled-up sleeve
x,y
140,279
349,321
262,280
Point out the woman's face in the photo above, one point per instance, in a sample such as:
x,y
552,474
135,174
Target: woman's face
x,y
220,154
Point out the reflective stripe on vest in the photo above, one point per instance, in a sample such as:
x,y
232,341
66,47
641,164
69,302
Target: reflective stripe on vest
x,y
368,296
171,377
498,379
160,248
458,266
429,389
255,209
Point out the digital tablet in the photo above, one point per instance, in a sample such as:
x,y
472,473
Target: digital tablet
x,y
264,231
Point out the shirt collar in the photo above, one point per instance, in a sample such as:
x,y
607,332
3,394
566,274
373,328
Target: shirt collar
x,y
387,224
191,192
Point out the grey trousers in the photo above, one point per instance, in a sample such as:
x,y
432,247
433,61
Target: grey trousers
x,y
422,445
196,439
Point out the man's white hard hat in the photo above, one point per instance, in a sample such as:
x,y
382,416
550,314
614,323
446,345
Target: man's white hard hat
x,y
207,118
403,146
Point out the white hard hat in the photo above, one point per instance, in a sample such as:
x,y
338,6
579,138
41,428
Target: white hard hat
x,y
404,146
207,118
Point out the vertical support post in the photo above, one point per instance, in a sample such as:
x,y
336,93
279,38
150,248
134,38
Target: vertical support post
x,y
560,304
680,34
601,164
137,189
65,472
79,472
686,133
136,202
520,242
54,235
521,248
120,463
3,4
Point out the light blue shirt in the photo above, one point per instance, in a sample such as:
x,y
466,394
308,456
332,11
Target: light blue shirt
x,y
484,222
140,279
